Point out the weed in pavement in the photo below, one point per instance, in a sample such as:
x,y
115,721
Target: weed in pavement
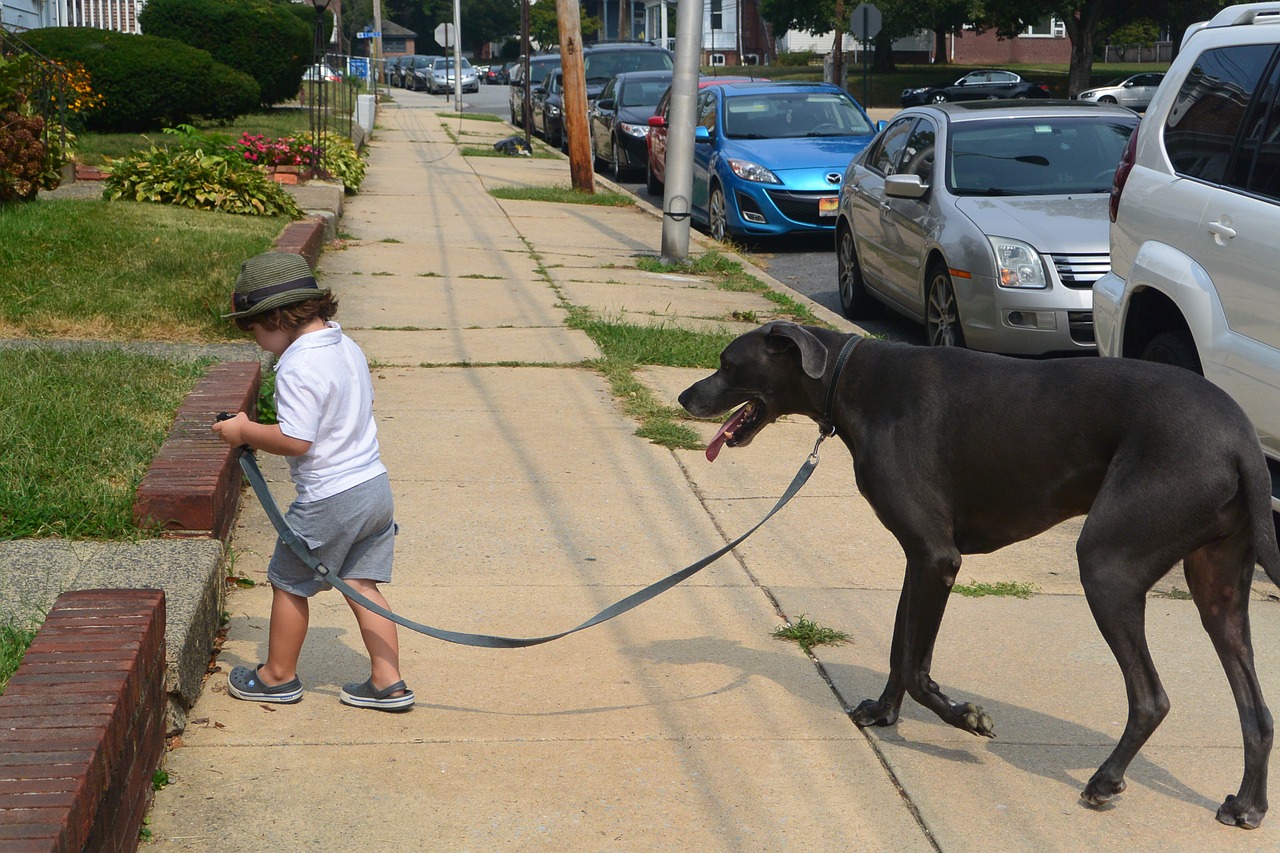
x,y
807,634
1005,589
13,645
562,195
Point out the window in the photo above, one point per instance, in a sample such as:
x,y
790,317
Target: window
x,y
1210,108
1044,28
717,59
885,157
717,16
1256,166
707,112
917,155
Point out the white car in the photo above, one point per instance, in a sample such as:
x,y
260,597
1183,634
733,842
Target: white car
x,y
442,77
1133,92
1195,211
321,72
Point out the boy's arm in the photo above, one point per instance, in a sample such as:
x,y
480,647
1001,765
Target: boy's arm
x,y
240,430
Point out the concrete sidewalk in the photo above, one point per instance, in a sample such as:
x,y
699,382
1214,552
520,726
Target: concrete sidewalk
x,y
527,503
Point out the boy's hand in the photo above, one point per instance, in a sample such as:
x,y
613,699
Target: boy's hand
x,y
232,429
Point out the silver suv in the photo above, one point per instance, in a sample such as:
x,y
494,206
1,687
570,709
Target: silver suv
x,y
1195,212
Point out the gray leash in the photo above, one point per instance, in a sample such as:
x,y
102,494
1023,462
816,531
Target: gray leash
x,y
249,464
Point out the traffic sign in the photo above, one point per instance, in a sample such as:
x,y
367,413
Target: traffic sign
x,y
366,34
865,22
444,35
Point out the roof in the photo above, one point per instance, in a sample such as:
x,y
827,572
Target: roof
x,y
390,28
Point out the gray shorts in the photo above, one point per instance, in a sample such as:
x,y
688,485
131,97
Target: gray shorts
x,y
351,533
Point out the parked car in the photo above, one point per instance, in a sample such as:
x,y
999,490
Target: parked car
x,y
415,72
1195,211
1133,92
548,108
986,222
619,119
768,158
656,140
982,84
602,62
493,75
320,71
390,75
539,67
444,71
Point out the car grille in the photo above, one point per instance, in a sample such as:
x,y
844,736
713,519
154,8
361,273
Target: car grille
x,y
802,207
1079,272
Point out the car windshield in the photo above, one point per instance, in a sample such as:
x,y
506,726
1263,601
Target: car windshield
x,y
602,67
643,93
1036,156
784,115
538,70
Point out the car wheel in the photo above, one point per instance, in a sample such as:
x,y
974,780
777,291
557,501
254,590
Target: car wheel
x,y
942,316
619,170
855,302
718,215
651,182
1176,348
938,97
1106,99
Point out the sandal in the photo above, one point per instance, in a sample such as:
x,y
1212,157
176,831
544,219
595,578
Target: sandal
x,y
245,683
367,696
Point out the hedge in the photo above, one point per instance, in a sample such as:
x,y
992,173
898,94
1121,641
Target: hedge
x,y
266,39
147,83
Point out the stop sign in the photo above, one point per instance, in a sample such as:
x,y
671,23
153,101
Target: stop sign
x,y
444,35
865,21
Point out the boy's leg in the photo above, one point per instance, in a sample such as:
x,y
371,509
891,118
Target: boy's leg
x,y
379,635
290,615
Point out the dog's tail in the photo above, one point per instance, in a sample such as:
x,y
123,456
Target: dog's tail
x,y
1257,488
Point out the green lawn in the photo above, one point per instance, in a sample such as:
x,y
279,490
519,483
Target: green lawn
x,y
122,270
94,148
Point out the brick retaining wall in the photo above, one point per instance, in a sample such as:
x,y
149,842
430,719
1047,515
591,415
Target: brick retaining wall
x,y
193,485
82,724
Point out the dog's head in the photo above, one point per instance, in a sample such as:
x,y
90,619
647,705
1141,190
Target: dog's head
x,y
764,372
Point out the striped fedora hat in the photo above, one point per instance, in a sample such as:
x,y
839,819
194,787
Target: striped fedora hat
x,y
271,280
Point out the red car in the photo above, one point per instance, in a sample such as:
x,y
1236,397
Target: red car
x,y
655,165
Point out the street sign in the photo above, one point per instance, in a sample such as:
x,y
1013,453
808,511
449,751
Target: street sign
x,y
444,35
358,66
865,22
366,34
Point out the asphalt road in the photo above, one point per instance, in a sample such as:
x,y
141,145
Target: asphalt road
x,y
805,264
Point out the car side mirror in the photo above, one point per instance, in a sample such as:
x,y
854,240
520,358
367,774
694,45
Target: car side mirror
x,y
539,90
657,121
605,103
905,186
881,125
701,134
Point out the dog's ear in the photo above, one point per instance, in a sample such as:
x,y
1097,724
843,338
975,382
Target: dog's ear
x,y
813,355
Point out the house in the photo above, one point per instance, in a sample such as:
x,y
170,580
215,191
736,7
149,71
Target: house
x,y
118,15
1045,41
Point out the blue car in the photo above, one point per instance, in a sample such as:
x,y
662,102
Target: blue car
x,y
768,158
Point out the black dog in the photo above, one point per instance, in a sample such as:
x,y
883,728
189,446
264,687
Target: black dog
x,y
963,453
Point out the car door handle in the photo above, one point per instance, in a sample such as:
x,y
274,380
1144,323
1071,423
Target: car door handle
x,y
1222,231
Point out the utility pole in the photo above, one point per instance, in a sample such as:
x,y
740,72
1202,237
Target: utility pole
x,y
624,20
573,71
377,46
526,109
681,118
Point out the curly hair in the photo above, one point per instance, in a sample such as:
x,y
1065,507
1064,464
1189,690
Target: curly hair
x,y
293,316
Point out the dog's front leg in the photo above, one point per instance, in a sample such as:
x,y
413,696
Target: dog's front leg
x,y
920,609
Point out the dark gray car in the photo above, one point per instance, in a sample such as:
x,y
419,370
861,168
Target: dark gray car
x,y
986,221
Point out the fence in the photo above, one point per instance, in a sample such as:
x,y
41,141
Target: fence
x,y
1161,51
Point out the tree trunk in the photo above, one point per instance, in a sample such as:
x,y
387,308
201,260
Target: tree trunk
x,y
940,47
838,75
1082,29
883,59
624,20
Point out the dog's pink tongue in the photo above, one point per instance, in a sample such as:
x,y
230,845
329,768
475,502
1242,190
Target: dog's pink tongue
x,y
725,433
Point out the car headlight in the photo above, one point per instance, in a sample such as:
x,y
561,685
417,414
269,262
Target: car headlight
x,y
1017,264
915,91
1087,96
749,171
640,131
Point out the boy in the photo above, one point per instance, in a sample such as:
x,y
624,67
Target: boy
x,y
344,510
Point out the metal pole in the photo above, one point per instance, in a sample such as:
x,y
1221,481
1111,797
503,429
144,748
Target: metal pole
x,y
680,122
526,109
457,54
377,43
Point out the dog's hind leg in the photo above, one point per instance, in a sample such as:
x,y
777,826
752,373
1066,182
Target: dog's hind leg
x,y
1115,585
1218,576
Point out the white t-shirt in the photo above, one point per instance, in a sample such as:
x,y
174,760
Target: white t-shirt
x,y
324,395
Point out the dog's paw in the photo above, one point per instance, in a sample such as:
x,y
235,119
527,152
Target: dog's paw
x,y
873,712
977,721
1233,812
1099,791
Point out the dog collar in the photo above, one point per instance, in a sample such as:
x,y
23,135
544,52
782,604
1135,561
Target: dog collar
x,y
827,424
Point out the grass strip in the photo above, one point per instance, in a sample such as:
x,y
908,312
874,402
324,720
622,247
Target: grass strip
x,y
94,148
730,275
14,642
79,432
806,633
122,270
1005,589
562,195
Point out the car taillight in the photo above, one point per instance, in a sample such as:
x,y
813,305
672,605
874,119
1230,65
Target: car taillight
x,y
1122,174
1043,88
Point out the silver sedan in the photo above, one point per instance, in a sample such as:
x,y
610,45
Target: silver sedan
x,y
986,221
1133,92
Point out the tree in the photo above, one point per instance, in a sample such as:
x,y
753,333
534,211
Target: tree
x,y
484,21
544,29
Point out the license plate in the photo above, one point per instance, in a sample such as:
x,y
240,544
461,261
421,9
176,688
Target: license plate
x,y
829,206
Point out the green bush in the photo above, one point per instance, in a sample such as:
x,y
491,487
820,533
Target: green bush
x,y
146,82
266,39
190,177
342,161
231,93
